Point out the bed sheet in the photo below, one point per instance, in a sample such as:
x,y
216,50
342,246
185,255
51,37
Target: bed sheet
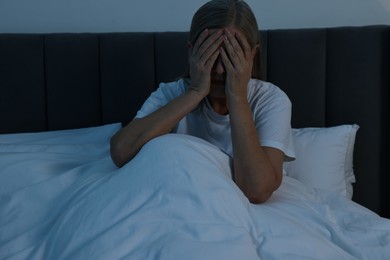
x,y
175,200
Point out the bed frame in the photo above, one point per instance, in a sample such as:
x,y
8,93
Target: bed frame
x,y
332,75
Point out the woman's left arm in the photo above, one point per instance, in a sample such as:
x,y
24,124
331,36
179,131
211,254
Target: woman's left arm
x,y
257,170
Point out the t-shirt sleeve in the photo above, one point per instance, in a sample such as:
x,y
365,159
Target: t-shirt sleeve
x,y
273,124
165,93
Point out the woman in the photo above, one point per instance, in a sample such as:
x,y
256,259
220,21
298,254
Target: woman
x,y
221,101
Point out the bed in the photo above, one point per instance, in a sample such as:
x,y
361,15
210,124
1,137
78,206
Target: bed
x,y
63,95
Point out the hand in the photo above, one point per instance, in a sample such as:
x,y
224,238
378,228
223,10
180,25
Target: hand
x,y
237,57
203,55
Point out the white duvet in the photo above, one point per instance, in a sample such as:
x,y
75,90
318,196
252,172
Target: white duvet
x,y
62,198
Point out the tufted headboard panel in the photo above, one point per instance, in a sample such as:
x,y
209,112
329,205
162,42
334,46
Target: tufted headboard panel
x,y
332,76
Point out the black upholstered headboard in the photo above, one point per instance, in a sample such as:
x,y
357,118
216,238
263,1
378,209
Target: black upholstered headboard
x,y
332,75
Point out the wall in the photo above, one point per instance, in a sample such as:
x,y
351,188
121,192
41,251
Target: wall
x,y
41,16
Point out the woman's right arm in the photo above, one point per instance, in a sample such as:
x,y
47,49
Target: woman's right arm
x,y
126,143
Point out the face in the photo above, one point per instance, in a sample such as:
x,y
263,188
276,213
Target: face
x,y
218,73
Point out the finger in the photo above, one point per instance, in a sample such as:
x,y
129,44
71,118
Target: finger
x,y
212,59
225,59
200,40
244,45
211,49
233,47
212,42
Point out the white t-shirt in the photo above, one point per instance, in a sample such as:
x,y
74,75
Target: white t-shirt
x,y
271,112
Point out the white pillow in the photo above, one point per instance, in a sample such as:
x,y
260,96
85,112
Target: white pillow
x,y
324,158
87,135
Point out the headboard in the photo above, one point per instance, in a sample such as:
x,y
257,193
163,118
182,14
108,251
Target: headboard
x,y
332,76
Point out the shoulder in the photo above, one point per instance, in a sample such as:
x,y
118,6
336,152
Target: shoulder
x,y
265,92
165,93
169,90
173,86
259,87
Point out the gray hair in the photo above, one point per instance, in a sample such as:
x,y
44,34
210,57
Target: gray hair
x,y
223,13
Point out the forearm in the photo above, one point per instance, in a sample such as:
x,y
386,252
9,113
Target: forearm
x,y
254,172
125,144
